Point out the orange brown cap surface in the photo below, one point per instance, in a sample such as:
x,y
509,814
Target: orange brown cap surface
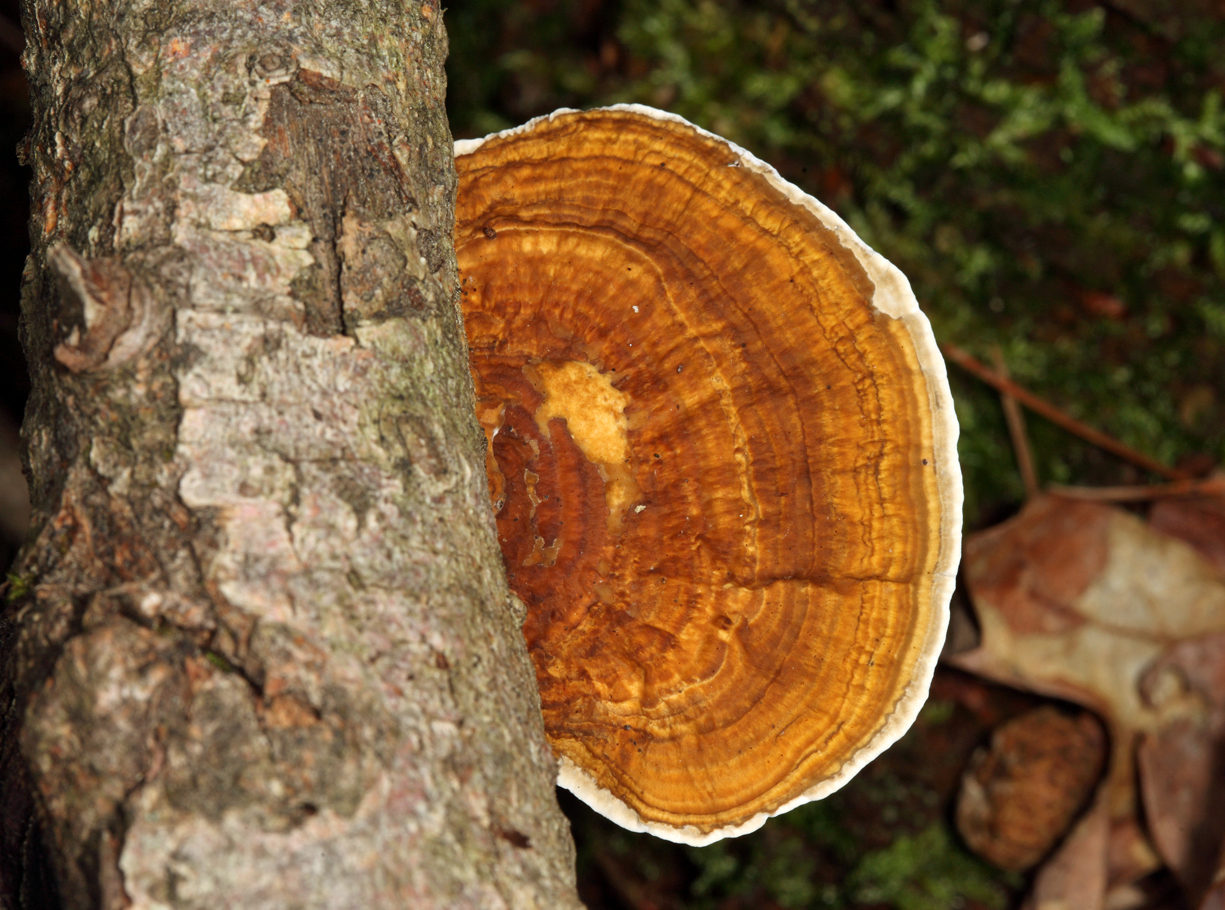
x,y
722,457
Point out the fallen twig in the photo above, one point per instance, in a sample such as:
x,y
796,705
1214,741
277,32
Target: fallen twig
x,y
1016,429
1058,417
1141,493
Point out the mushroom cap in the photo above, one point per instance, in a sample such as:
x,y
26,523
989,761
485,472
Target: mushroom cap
x,y
722,457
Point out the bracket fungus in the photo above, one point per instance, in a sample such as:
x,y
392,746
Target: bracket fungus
x,y
722,457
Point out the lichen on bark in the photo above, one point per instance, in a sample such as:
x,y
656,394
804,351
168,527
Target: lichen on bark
x,y
262,653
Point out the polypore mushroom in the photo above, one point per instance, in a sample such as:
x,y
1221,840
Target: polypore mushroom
x,y
722,459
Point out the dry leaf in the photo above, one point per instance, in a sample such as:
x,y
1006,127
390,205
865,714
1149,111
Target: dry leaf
x,y
1019,797
1182,765
1198,520
1215,898
1082,601
1075,877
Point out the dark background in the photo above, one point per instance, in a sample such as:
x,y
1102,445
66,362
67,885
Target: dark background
x,y
14,244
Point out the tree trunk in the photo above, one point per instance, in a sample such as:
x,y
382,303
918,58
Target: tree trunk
x,y
259,651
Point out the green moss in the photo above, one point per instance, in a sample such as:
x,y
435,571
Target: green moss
x,y
717,868
821,824
18,587
218,660
937,712
926,871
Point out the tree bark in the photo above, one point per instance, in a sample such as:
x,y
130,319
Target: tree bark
x,y
260,651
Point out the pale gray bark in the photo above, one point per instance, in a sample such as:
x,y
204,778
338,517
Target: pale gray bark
x,y
260,652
